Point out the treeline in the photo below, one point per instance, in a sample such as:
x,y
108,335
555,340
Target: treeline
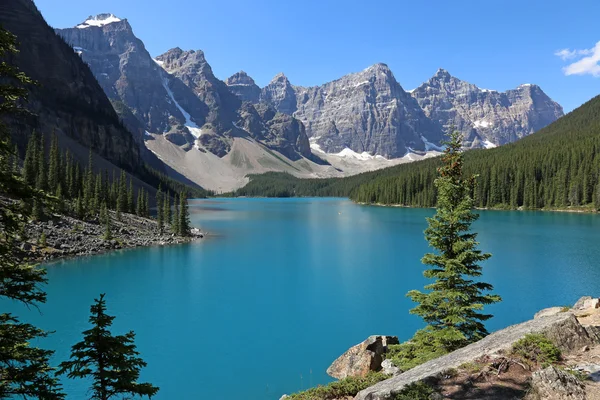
x,y
81,192
557,167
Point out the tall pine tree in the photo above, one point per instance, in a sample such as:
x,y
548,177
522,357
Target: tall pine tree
x,y
112,362
184,216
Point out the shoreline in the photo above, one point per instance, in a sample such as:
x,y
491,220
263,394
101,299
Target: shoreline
x,y
520,209
62,237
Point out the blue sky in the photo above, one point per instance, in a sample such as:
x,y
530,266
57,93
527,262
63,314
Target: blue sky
x,y
493,44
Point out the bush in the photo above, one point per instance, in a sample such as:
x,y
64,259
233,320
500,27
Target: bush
x,y
415,391
420,349
343,388
537,348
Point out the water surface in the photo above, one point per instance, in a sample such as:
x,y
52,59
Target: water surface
x,y
284,286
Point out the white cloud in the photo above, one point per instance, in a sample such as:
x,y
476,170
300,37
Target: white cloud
x,y
588,63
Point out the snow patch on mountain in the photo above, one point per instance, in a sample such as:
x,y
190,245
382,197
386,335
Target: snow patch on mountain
x,y
482,124
191,125
99,20
488,144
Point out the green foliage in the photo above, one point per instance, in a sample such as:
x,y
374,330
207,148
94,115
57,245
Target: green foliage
x,y
176,218
24,369
415,391
537,348
112,362
159,211
425,345
452,304
347,387
184,216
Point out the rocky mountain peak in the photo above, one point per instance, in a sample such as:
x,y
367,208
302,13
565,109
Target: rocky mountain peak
x,y
100,20
244,87
240,78
442,74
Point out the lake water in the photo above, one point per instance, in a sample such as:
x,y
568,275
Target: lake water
x,y
284,286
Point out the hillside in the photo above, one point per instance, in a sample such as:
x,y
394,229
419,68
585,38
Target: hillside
x,y
557,166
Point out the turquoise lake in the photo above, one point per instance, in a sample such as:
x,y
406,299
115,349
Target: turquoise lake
x,y
281,287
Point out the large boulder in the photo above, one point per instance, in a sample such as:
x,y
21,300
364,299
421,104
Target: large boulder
x,y
362,358
555,384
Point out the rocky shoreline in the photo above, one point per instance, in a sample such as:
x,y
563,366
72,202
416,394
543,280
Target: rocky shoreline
x,y
62,237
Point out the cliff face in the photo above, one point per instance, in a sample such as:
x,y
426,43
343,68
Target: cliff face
x,y
68,98
366,112
132,79
486,118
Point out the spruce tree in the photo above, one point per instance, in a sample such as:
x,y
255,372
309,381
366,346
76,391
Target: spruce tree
x,y
451,306
159,211
54,165
184,216
29,165
89,185
105,219
176,218
167,209
138,204
60,200
41,167
111,362
16,167
130,202
24,369
146,204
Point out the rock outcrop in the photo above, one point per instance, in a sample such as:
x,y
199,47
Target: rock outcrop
x,y
486,118
366,111
552,383
563,329
243,87
362,358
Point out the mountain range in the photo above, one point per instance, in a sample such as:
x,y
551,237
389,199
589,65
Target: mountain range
x,y
216,132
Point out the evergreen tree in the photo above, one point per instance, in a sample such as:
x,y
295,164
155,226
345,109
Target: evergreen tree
x,y
79,210
24,369
138,204
41,182
122,195
452,305
112,362
16,167
159,210
37,211
167,209
54,165
184,216
105,219
176,217
130,202
89,185
597,197
146,204
29,165
98,197
60,200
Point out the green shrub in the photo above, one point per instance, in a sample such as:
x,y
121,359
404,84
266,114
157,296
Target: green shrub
x,y
471,367
343,388
537,348
423,347
415,391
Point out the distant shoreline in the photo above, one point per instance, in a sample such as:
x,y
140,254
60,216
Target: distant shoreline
x,y
68,238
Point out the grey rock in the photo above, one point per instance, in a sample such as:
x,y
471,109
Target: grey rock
x,y
548,312
148,98
244,87
486,118
579,305
388,368
563,329
365,111
362,358
554,384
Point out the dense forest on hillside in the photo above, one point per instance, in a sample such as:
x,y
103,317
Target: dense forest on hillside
x,y
558,166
